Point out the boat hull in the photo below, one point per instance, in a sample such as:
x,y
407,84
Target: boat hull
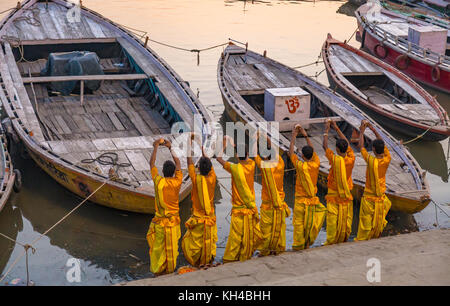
x,y
420,71
82,185
399,203
9,176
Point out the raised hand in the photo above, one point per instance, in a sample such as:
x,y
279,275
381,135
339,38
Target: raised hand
x,y
333,123
327,125
167,143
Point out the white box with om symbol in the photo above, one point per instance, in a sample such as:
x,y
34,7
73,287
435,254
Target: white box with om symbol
x,y
291,104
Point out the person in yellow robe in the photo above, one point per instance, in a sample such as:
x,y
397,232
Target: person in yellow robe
x,y
309,213
274,209
199,241
339,198
245,235
374,202
164,231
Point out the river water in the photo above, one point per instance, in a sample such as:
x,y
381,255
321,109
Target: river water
x,y
109,244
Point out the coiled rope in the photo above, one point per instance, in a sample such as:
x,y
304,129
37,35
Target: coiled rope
x,y
106,159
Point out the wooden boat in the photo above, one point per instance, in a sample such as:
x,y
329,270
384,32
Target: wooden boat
x,y
139,99
418,9
383,92
385,35
243,78
7,172
417,13
442,6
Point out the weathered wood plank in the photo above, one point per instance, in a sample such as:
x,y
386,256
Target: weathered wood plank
x,y
100,77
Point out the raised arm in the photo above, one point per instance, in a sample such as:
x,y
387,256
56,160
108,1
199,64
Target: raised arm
x,y
338,131
294,134
362,128
304,134
220,156
189,155
374,130
175,158
325,135
156,144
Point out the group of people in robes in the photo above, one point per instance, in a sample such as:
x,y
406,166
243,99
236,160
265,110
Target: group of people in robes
x,y
265,230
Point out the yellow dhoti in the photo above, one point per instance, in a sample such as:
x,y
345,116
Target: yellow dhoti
x,y
163,234
273,215
339,205
309,215
339,221
372,217
199,242
162,237
245,235
273,229
374,206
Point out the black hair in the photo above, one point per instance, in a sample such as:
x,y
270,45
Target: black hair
x,y
378,146
168,168
204,165
342,145
307,152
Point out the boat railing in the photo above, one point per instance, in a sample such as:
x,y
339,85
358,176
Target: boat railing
x,y
409,47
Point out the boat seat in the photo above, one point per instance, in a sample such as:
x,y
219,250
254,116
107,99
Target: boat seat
x,y
109,65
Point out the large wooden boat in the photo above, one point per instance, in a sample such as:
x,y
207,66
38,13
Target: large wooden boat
x,y
243,78
416,9
139,99
383,92
385,35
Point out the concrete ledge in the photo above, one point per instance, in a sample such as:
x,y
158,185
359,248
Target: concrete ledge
x,y
421,258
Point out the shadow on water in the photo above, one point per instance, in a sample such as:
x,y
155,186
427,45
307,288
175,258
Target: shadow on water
x,y
348,8
10,225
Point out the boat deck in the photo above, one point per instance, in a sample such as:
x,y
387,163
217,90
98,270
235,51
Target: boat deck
x,y
348,64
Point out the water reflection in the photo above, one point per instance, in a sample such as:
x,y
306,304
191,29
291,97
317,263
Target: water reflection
x,y
10,225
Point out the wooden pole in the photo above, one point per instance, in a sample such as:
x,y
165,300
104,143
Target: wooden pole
x,y
265,53
146,41
81,92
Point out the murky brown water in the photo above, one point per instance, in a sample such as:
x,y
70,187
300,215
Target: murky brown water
x,y
111,244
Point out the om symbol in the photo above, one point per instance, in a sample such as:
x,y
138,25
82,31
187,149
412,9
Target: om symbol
x,y
292,104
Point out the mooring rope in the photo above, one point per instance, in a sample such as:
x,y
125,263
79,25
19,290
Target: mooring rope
x,y
352,35
310,64
420,135
28,246
7,10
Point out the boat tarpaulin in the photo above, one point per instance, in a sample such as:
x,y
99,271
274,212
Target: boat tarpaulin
x,y
73,63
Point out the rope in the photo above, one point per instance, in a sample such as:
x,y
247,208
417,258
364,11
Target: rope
x,y
106,159
438,206
28,246
302,66
9,238
317,74
7,10
14,41
352,35
419,136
